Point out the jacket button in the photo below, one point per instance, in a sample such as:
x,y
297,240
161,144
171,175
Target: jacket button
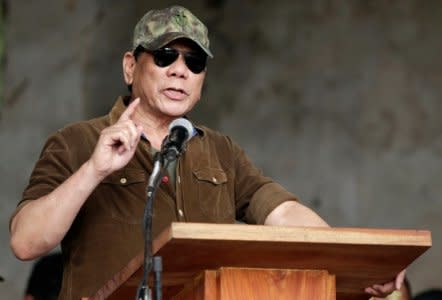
x,y
123,180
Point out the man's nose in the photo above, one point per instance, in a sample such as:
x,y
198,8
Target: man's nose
x,y
178,68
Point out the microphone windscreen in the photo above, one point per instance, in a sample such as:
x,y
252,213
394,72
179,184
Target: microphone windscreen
x,y
182,122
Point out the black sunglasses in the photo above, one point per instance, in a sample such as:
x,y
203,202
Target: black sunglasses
x,y
195,61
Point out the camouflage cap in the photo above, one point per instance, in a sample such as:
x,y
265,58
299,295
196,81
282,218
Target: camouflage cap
x,y
157,28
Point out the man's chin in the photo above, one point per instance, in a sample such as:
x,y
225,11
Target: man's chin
x,y
176,111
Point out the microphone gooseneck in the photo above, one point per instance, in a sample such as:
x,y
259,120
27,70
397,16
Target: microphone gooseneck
x,y
180,131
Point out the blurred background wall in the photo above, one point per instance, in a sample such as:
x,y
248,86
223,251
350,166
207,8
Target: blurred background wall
x,y
340,101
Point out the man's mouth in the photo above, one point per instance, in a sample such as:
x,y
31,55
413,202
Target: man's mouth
x,y
177,90
175,93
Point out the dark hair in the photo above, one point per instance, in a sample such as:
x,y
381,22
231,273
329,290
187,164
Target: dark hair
x,y
44,282
136,53
140,49
432,294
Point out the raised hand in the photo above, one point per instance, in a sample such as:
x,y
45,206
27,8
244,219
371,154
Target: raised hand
x,y
383,290
117,143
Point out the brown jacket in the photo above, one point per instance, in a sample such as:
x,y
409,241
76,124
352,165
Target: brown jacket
x,y
215,183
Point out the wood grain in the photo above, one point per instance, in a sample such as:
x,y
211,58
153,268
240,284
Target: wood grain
x,y
358,257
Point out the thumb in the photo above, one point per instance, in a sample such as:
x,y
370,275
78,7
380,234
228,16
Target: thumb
x,y
400,279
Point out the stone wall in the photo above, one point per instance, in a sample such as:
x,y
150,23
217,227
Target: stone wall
x,y
339,101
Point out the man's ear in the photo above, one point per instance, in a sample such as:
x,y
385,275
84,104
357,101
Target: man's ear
x,y
129,63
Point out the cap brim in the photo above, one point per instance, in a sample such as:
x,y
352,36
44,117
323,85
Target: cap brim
x,y
166,38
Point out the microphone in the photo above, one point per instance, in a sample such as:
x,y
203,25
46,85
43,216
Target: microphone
x,y
180,131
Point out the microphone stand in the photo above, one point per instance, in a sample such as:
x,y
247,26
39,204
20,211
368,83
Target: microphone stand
x,y
161,161
144,292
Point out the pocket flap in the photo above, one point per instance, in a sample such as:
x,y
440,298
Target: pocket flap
x,y
212,175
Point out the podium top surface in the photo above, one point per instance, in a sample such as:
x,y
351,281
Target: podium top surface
x,y
358,257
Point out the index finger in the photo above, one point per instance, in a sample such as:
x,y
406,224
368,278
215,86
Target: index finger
x,y
130,110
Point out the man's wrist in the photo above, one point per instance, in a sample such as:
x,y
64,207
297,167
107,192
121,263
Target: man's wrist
x,y
89,171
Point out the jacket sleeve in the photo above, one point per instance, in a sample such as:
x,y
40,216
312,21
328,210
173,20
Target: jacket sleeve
x,y
256,195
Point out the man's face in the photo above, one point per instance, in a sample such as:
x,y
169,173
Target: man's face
x,y
165,92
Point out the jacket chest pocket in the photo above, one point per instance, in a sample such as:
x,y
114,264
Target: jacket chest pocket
x,y
121,195
213,195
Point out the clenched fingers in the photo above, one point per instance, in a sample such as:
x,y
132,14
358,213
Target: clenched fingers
x,y
379,290
123,136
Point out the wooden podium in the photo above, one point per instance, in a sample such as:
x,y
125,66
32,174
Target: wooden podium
x,y
235,262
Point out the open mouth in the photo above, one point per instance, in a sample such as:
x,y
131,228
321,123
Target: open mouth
x,y
175,93
177,90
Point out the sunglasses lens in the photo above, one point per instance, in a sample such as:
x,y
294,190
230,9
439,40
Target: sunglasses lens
x,y
195,62
165,56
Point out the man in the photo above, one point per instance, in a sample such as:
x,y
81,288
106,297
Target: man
x,y
87,190
44,281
